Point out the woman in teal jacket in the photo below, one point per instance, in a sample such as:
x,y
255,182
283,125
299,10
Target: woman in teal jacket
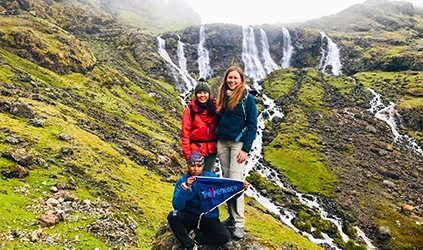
x,y
236,132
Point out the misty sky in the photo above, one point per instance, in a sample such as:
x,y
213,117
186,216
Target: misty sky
x,y
256,12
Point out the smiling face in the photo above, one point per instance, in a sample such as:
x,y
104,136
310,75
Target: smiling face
x,y
233,79
203,96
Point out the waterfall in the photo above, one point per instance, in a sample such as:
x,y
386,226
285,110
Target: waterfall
x,y
188,82
269,64
252,65
330,56
254,69
287,49
391,116
203,56
255,164
181,56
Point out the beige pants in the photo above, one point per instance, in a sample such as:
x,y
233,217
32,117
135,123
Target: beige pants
x,y
227,152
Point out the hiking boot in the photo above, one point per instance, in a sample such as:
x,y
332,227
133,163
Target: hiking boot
x,y
192,234
238,233
195,247
229,222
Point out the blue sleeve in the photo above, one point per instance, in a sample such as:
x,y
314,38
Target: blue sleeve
x,y
211,174
251,123
180,195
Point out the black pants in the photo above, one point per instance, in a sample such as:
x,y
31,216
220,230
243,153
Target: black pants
x,y
212,231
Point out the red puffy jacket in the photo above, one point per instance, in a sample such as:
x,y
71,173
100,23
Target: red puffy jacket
x,y
198,133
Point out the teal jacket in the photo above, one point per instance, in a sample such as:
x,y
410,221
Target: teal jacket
x,y
233,122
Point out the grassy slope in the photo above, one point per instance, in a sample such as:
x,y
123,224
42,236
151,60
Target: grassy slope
x,y
95,159
294,151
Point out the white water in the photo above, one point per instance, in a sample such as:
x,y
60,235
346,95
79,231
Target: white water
x,y
203,56
252,65
269,64
287,49
254,164
360,234
391,116
181,56
188,82
330,56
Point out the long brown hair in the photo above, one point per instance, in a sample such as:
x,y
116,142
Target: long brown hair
x,y
222,98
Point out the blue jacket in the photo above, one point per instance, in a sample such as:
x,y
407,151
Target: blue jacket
x,y
188,200
232,122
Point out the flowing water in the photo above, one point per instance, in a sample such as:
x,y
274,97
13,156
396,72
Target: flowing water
x,y
188,83
203,56
269,64
287,49
391,116
250,55
330,56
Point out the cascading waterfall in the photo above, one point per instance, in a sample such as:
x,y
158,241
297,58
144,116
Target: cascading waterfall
x,y
181,56
203,56
330,56
390,115
254,161
188,82
287,49
250,56
269,64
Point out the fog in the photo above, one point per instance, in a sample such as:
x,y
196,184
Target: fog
x,y
256,12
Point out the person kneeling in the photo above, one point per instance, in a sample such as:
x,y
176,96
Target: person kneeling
x,y
186,216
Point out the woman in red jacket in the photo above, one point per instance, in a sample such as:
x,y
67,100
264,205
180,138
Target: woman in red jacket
x,y
199,124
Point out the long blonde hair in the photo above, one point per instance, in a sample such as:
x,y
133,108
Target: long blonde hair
x,y
222,98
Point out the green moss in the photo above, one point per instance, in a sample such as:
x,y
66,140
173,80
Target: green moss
x,y
404,230
343,84
6,74
311,93
294,152
279,82
393,85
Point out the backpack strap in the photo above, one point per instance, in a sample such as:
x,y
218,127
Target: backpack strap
x,y
192,113
243,103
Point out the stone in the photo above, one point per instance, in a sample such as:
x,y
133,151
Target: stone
x,y
15,172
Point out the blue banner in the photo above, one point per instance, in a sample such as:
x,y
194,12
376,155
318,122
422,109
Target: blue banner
x,y
215,191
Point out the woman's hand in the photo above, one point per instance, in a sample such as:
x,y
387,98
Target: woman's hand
x,y
190,180
242,156
246,184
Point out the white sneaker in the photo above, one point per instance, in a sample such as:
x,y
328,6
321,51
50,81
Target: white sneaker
x,y
238,233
